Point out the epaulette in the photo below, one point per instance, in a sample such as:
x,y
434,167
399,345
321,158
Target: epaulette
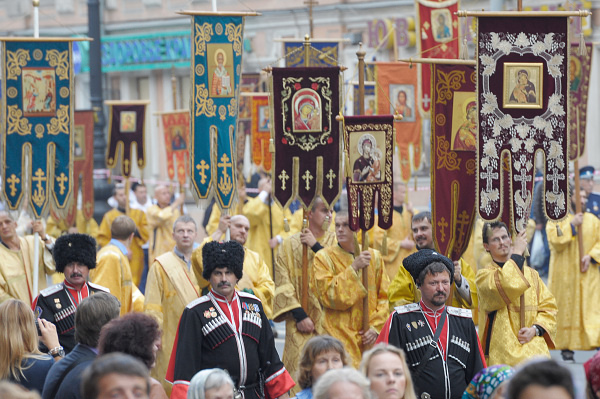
x,y
198,301
411,307
52,290
99,287
244,294
459,312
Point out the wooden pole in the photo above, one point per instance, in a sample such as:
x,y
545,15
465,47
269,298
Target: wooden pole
x,y
365,281
174,87
307,50
127,188
36,236
304,298
578,194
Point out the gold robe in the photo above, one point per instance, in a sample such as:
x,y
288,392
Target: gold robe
x,y
16,270
257,213
137,253
577,294
256,276
169,289
288,291
340,291
401,229
160,227
56,228
113,272
500,290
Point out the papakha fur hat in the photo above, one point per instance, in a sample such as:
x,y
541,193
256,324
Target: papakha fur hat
x,y
417,262
229,254
75,247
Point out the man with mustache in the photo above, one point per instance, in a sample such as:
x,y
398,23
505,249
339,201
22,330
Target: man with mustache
x,y
227,329
74,255
440,341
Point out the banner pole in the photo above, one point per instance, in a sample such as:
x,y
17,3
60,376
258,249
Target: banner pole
x,y
304,299
36,236
578,194
36,18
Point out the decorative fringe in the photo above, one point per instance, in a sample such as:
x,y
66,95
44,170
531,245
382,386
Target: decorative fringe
x,y
559,232
286,225
464,51
582,47
384,248
326,223
271,146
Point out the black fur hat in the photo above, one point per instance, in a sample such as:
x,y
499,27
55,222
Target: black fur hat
x,y
229,254
415,263
74,248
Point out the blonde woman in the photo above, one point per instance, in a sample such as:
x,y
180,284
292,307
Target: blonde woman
x,y
20,359
385,367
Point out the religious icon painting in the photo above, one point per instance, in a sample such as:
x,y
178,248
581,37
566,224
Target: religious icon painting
x,y
402,98
220,68
464,121
306,110
367,150
39,92
79,142
521,85
441,21
128,121
178,142
263,118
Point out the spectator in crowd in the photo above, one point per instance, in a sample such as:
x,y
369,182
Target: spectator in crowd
x,y
592,376
541,380
10,390
489,383
116,375
385,367
211,384
343,383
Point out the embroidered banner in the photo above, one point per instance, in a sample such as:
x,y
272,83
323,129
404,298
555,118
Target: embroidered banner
x,y
321,53
370,99
261,132
397,92
369,147
438,26
579,84
216,70
37,123
176,129
126,126
523,94
453,144
306,135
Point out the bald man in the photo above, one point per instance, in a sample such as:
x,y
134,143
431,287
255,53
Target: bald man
x,y
257,276
161,218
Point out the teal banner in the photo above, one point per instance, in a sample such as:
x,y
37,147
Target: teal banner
x,y
37,118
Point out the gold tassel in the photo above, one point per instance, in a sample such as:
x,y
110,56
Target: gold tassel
x,y
559,232
582,47
347,167
384,248
326,223
464,51
271,146
286,225
356,244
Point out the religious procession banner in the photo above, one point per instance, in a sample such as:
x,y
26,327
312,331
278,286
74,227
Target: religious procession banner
x,y
37,123
306,135
397,93
369,150
438,28
453,145
216,70
126,127
579,84
523,71
370,98
176,129
261,132
321,53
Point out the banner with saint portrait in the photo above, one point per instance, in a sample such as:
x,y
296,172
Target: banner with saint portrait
x,y
438,28
453,145
37,123
321,52
216,72
370,98
126,127
369,150
579,83
261,132
397,93
176,129
523,92
306,135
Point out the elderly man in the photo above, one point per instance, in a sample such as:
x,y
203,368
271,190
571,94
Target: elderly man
x,y
464,291
337,283
161,217
74,255
171,286
440,341
227,329
511,293
17,255
257,276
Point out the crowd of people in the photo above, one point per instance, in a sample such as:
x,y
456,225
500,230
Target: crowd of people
x,y
137,307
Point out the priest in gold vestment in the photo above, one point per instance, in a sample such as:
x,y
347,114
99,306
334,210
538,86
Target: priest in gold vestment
x,y
171,285
574,280
57,228
17,257
300,324
161,218
337,282
501,285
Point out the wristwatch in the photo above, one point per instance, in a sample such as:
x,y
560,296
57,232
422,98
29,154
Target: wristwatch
x,y
59,351
538,332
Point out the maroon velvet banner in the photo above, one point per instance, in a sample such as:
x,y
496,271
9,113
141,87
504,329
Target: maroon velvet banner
x,y
369,143
306,136
453,143
126,126
579,84
523,94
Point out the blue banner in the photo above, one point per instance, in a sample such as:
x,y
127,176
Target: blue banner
x,y
320,53
37,119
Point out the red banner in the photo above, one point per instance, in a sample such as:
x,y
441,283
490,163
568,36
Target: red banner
x,y
261,133
176,128
579,84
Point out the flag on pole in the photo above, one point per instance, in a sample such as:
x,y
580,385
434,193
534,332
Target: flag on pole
x,y
261,133
579,85
176,129
322,52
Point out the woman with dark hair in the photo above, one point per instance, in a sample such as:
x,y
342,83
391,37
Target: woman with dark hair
x,y
540,380
20,359
138,335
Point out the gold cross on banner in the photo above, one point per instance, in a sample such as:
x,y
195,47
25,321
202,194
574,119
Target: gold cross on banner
x,y
307,178
39,194
330,176
443,224
13,180
283,176
225,182
62,179
202,167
